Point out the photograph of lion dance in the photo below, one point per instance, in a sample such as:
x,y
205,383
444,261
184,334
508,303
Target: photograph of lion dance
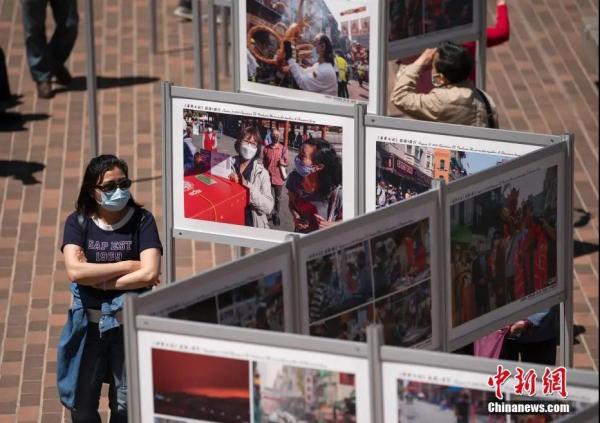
x,y
319,46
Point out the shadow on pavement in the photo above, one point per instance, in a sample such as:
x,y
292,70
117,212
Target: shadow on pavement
x,y
21,170
106,82
14,122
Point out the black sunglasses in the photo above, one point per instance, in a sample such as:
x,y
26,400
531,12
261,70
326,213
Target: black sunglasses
x,y
124,183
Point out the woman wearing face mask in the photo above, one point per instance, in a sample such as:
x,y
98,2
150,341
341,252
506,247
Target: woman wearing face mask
x,y
320,77
210,139
111,247
250,173
315,187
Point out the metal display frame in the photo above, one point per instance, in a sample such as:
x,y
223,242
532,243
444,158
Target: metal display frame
x,y
487,367
170,93
376,68
559,293
229,276
435,129
136,322
357,225
90,77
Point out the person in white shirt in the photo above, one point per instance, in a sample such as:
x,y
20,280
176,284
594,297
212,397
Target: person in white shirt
x,y
321,76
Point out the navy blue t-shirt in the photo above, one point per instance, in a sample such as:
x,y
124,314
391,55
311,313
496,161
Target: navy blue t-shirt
x,y
110,246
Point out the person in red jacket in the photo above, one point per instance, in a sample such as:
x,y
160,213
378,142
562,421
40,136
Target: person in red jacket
x,y
210,139
496,35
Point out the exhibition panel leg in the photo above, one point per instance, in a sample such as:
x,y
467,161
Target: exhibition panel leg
x,y
90,71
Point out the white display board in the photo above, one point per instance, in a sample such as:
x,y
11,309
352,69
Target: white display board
x,y
195,378
255,292
214,205
380,268
415,25
401,163
509,222
352,26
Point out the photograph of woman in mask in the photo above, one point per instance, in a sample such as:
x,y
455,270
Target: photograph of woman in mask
x,y
251,174
315,187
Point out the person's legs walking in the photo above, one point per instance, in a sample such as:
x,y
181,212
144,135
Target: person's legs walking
x,y
63,39
276,191
117,393
91,375
34,25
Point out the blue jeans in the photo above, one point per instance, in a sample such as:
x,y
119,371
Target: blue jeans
x,y
102,357
44,57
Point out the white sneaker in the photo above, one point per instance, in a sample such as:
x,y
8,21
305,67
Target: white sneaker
x,y
183,12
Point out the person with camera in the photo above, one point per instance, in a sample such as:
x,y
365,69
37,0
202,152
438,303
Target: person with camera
x,y
454,98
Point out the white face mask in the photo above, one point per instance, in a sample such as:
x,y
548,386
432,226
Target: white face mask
x,y
248,151
209,129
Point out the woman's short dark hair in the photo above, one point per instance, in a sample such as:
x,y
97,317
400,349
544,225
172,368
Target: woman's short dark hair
x,y
453,61
254,132
328,55
331,175
94,173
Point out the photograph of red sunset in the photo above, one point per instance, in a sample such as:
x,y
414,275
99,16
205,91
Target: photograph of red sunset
x,y
202,387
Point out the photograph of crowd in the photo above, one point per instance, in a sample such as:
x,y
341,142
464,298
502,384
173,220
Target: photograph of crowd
x,y
401,258
350,326
385,277
319,46
263,173
339,281
503,244
257,304
404,170
411,18
201,387
285,393
406,316
425,402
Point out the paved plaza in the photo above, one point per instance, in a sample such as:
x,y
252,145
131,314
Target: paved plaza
x,y
543,80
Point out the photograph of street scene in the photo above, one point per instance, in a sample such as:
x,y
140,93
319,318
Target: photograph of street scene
x,y
424,402
574,407
350,326
294,394
339,281
319,46
257,304
264,173
411,18
503,244
404,171
406,316
201,387
401,258
383,278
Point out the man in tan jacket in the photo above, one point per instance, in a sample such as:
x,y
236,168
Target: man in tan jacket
x,y
454,98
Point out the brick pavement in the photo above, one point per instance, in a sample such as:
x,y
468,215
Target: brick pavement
x,y
543,81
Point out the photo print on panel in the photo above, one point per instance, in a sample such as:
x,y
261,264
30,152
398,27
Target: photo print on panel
x,y
321,49
386,278
504,244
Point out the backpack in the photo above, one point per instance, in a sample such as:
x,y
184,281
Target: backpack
x,y
492,121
